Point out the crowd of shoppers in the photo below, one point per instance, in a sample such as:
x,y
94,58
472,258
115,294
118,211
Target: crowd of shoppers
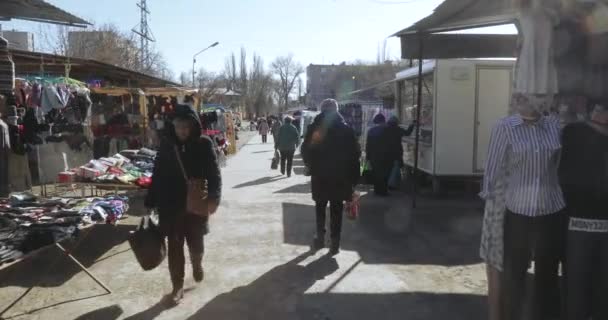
x,y
546,193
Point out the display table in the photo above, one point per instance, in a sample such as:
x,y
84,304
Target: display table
x,y
83,234
93,187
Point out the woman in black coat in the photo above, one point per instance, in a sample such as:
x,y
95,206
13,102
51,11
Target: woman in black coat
x,y
331,152
168,193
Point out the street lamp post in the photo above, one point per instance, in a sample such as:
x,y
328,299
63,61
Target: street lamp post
x,y
194,59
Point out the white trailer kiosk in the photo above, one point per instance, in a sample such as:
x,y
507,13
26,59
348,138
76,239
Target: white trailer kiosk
x,y
461,100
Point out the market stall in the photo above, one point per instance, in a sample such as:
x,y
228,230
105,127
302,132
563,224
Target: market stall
x,y
161,104
52,115
570,55
118,120
124,171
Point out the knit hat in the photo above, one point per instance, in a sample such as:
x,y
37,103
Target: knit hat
x,y
329,105
379,119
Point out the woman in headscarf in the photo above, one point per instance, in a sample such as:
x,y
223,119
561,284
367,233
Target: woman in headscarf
x,y
169,190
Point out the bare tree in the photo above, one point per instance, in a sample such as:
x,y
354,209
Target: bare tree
x,y
288,71
253,83
209,84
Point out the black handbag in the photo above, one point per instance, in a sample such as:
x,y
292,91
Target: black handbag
x,y
148,244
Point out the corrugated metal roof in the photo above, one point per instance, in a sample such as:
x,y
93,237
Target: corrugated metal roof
x,y
38,10
453,15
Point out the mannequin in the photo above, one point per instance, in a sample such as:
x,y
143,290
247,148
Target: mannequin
x,y
527,146
584,179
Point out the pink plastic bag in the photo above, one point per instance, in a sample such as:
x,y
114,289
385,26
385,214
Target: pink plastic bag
x,y
351,208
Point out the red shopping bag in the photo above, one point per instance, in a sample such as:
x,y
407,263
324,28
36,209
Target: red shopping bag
x,y
351,208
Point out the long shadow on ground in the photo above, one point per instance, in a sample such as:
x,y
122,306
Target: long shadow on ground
x,y
281,294
389,232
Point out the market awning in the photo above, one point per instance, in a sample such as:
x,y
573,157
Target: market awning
x,y
117,91
39,11
170,91
459,46
452,15
29,63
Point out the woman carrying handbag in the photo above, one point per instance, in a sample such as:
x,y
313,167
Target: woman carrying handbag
x,y
186,188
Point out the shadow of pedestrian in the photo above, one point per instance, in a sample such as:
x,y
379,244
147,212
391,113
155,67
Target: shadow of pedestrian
x,y
258,182
107,313
275,295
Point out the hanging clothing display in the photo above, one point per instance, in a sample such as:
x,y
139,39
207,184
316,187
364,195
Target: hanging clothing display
x,y
536,72
5,150
7,68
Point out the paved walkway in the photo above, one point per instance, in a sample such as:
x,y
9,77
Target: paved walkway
x,y
395,263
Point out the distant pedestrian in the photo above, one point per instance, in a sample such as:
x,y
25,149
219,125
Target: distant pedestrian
x,y
288,140
331,152
376,153
168,193
276,126
264,129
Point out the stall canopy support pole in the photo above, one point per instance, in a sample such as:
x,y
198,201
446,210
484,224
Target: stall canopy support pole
x,y
418,112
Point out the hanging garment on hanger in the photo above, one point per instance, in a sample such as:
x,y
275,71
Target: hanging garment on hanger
x,y
536,72
5,150
35,95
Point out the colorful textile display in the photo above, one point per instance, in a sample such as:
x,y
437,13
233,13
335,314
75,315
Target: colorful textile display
x,y
126,167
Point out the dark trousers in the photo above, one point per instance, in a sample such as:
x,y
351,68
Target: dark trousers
x,y
335,220
287,159
533,238
587,275
381,174
190,229
264,138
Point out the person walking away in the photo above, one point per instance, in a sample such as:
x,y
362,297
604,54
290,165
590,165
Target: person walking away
x,y
376,152
276,126
264,128
528,145
288,140
584,180
168,193
331,152
393,134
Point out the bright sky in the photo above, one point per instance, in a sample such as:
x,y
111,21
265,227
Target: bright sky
x,y
315,31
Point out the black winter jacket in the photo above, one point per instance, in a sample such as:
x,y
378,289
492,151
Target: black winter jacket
x,y
168,189
331,152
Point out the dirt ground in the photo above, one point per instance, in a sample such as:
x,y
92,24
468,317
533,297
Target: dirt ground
x,y
396,262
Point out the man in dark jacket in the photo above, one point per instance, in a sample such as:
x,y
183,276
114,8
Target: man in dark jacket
x,y
331,152
169,190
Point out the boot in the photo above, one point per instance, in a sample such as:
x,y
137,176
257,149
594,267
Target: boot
x,y
318,242
177,295
197,267
335,246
